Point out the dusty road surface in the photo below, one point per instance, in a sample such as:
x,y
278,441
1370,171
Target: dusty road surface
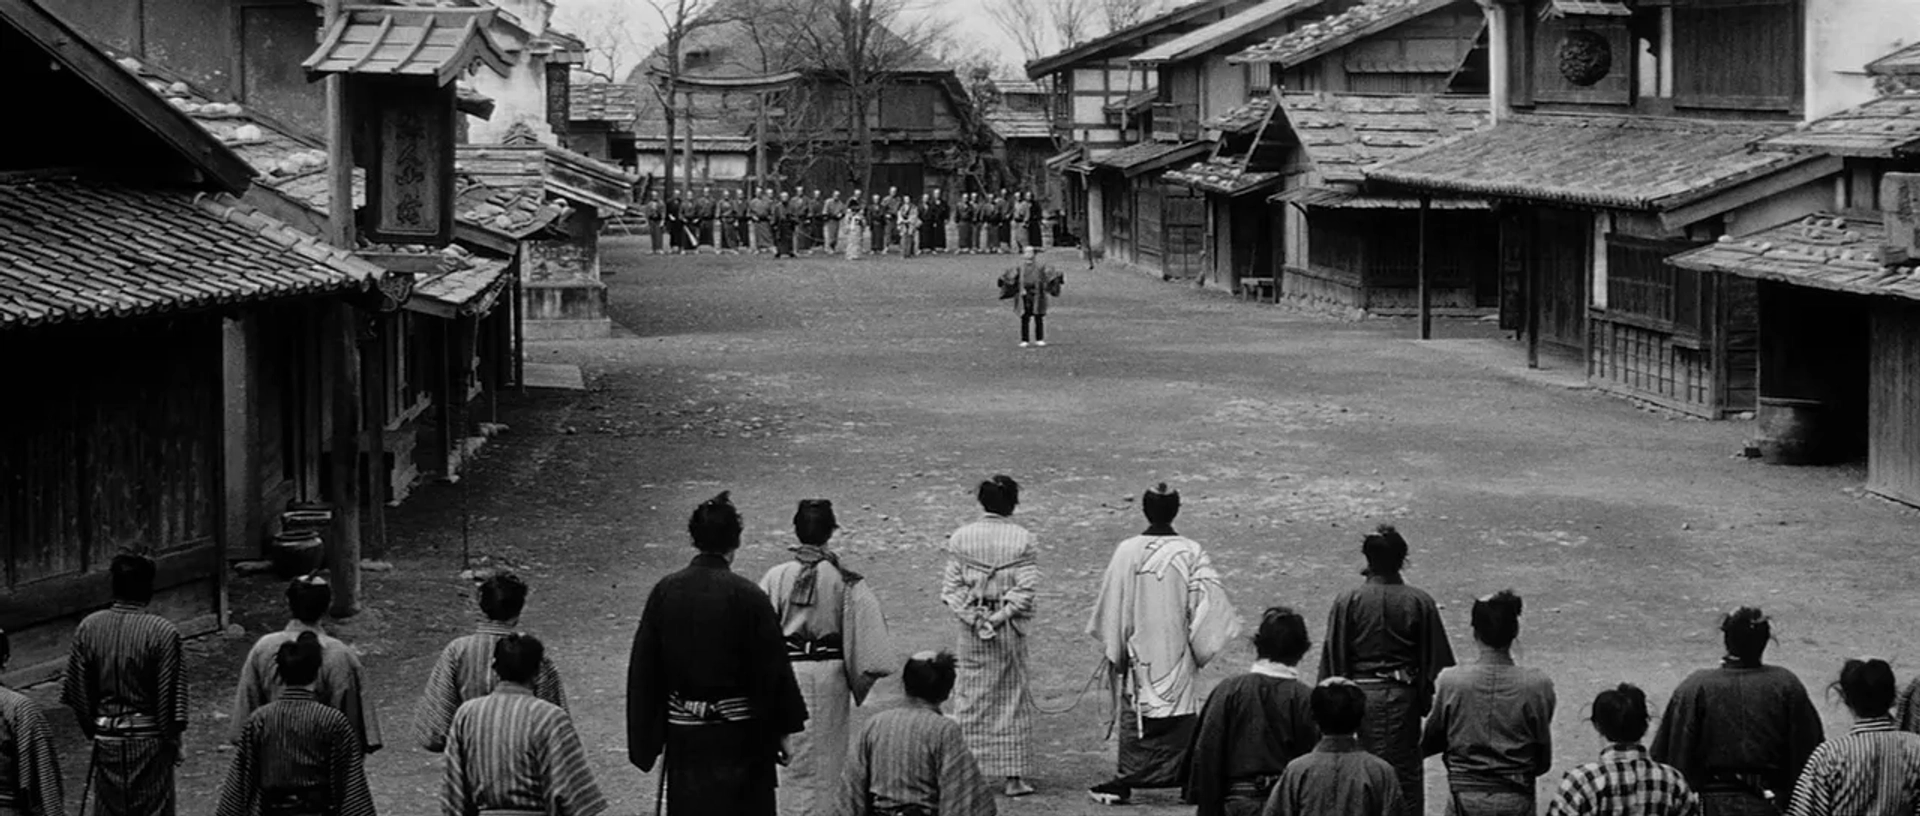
x,y
892,388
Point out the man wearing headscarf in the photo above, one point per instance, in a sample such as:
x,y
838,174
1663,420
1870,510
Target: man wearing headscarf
x,y
30,774
341,681
1160,616
1388,637
837,642
126,684
912,761
989,584
709,683
1741,731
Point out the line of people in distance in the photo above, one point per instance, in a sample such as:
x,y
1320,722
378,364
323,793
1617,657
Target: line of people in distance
x,y
739,700
786,224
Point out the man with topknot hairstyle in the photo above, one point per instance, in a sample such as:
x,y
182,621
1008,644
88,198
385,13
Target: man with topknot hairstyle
x,y
464,670
1492,721
1160,616
990,584
912,761
708,684
1625,781
341,682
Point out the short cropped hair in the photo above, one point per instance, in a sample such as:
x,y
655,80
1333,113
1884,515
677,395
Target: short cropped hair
x,y
308,599
813,521
929,677
502,596
1620,713
1338,705
1385,549
1282,636
1867,686
132,577
1746,632
517,658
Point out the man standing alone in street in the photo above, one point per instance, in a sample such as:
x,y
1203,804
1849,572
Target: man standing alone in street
x,y
1160,617
1031,285
709,683
1387,637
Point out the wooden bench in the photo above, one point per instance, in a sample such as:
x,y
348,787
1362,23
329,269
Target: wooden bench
x,y
1259,289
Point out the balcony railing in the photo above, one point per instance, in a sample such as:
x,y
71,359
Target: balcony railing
x,y
1176,121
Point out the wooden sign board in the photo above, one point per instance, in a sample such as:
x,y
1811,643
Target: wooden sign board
x,y
1900,201
411,128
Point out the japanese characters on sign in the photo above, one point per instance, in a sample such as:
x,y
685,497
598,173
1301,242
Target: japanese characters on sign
x,y
410,180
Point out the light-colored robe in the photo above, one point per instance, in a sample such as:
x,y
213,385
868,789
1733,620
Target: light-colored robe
x,y
1162,615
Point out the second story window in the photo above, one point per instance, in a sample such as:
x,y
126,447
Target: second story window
x,y
1737,54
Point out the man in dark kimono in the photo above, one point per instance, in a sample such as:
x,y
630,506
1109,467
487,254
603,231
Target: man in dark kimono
x,y
832,213
940,214
1387,637
1003,222
802,221
878,217
760,219
29,765
891,206
1254,723
678,232
297,755
1034,285
709,682
341,681
785,213
125,684
655,214
1741,731
1339,777
703,210
730,211
963,224
513,754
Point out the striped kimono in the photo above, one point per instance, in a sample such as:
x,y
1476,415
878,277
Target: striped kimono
x,y
990,566
513,754
837,642
124,681
1161,615
912,757
297,756
29,766
465,672
340,683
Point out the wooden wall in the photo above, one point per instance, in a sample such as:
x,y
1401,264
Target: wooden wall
x,y
114,444
1893,459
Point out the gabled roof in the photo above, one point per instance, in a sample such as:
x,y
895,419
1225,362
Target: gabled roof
x,y
515,212
1243,119
558,171
1204,40
438,43
77,55
1134,102
1620,162
1227,177
1885,128
1904,62
77,249
1314,39
1147,157
1343,134
615,102
1015,124
1121,39
1821,251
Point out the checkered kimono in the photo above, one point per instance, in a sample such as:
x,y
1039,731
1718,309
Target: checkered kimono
x,y
990,566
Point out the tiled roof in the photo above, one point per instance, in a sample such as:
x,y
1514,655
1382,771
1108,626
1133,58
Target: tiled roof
x,y
1134,101
1881,129
439,43
1342,134
274,154
1821,251
1634,163
1204,40
463,284
1126,38
1904,62
1345,198
1013,124
615,102
1588,8
556,170
1243,119
1226,177
514,211
1316,38
1026,87
1135,156
74,250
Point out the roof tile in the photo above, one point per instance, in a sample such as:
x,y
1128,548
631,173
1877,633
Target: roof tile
x,y
1822,251
1343,134
1882,129
618,103
1321,36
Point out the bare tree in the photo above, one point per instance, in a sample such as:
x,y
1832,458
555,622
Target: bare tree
x,y
1027,22
1119,14
609,32
680,19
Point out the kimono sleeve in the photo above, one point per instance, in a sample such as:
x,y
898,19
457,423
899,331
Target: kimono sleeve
x,y
571,790
38,774
455,785
240,789
348,760
1804,730
173,684
1021,599
439,701
76,686
868,644
252,693
349,699
779,693
1211,622
1206,758
1335,656
1108,622
1678,741
963,790
1908,709
850,795
646,690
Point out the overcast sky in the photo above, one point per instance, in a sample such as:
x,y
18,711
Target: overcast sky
x,y
642,23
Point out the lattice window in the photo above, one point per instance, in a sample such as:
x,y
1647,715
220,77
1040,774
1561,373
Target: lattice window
x,y
1640,283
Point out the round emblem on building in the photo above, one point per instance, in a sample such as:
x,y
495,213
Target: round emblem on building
x,y
1585,57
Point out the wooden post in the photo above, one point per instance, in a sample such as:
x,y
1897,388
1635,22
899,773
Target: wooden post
x,y
760,142
1426,272
1530,263
343,360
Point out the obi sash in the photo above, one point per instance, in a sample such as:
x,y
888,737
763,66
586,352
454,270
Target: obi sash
x,y
682,711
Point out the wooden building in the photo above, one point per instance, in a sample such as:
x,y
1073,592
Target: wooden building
x,y
1607,165
1017,113
1249,159
130,273
600,122
1147,223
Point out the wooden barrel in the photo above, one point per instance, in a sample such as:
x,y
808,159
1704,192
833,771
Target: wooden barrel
x,y
297,552
1792,431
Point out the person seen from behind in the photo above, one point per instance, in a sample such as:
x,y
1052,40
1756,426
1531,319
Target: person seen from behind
x,y
1339,777
1254,723
1872,771
1492,721
1625,781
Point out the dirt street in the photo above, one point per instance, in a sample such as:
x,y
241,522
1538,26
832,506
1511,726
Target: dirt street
x,y
892,388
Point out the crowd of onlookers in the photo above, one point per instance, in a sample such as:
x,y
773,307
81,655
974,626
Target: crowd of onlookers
x,y
802,221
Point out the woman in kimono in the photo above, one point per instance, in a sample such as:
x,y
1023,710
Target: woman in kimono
x,y
837,642
989,585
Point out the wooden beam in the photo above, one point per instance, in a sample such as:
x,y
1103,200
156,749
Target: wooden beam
x,y
1426,272
379,39
420,44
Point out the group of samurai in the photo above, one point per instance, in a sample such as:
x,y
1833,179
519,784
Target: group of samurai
x,y
740,694
790,223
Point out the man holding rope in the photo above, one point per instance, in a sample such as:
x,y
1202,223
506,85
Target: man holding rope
x,y
1160,616
125,684
989,584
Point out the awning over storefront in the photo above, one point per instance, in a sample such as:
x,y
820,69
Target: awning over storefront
x,y
1684,170
1344,199
1147,157
1227,177
1821,251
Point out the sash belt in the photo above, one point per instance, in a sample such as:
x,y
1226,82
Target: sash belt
x,y
681,711
902,810
127,726
1401,676
804,650
509,812
1252,787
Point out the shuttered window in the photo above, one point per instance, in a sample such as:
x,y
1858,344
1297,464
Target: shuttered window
x,y
1738,54
1640,283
